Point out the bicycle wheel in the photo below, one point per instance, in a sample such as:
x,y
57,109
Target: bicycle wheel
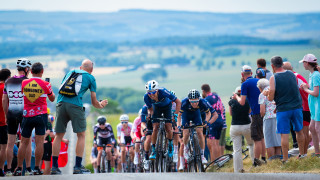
x,y
197,153
102,163
158,161
219,162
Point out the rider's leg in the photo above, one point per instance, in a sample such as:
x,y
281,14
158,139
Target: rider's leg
x,y
123,155
99,159
131,152
147,145
109,156
181,159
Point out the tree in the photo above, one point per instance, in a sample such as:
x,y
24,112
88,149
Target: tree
x,y
113,107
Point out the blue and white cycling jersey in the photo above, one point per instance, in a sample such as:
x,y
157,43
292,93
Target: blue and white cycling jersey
x,y
164,98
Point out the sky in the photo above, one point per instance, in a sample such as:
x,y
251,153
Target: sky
x,y
226,6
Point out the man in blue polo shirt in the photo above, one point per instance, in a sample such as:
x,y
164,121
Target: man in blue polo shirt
x,y
250,90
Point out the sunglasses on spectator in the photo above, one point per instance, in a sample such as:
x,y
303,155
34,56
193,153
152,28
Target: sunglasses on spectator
x,y
195,101
152,92
124,122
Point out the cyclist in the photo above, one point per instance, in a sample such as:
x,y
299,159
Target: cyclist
x,y
13,106
146,127
136,136
215,128
103,136
124,138
191,110
159,101
93,158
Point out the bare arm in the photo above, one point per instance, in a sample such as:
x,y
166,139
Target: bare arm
x,y
262,110
96,103
241,99
179,119
272,89
178,105
52,97
315,91
214,118
5,102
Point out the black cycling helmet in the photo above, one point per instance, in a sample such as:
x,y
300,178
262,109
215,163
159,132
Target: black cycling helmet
x,y
102,119
194,94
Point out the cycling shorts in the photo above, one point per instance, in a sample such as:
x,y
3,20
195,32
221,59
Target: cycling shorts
x,y
189,116
126,140
158,111
13,121
104,141
38,122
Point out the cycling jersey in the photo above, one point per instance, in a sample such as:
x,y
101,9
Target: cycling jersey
x,y
107,132
35,91
164,98
12,89
136,128
124,133
215,101
203,106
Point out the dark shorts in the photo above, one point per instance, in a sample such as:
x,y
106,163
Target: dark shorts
x,y
191,116
306,118
3,134
127,139
13,121
158,111
66,112
47,151
104,141
256,127
39,123
215,129
149,128
222,140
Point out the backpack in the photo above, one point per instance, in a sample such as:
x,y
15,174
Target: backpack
x,y
71,85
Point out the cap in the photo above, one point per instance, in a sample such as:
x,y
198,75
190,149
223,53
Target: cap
x,y
260,73
309,58
246,68
238,89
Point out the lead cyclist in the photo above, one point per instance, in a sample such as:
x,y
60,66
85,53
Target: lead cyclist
x,y
159,101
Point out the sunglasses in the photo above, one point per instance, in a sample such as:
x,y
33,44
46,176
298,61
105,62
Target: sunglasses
x,y
101,124
124,122
196,101
152,92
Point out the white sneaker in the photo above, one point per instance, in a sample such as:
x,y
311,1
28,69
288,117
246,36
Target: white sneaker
x,y
204,160
175,157
136,160
146,164
180,168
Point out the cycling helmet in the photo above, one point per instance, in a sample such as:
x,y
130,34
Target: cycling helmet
x,y
172,92
194,94
152,85
101,119
23,62
124,117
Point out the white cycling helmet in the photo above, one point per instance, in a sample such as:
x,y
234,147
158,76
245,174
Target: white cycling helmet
x,y
23,62
124,117
152,85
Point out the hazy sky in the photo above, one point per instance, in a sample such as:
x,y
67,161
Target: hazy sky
x,y
260,6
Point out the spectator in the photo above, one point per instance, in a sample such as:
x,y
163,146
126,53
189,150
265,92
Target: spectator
x,y
71,108
285,92
260,73
261,63
272,139
4,75
12,103
305,109
240,126
310,63
47,146
35,91
249,89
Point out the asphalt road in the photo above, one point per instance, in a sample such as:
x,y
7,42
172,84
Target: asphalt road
x,y
177,176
